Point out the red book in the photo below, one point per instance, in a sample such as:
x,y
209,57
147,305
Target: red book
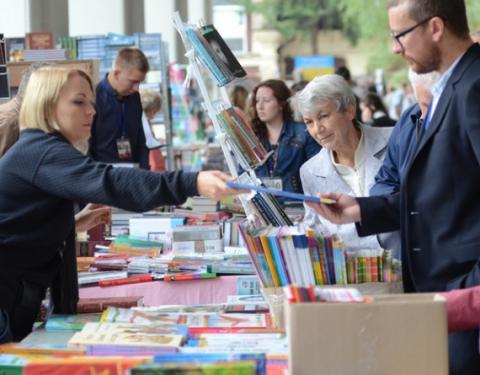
x,y
93,305
127,280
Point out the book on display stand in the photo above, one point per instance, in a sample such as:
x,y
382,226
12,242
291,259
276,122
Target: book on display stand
x,y
206,50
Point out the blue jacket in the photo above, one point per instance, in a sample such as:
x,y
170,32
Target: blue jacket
x,y
116,118
400,147
295,147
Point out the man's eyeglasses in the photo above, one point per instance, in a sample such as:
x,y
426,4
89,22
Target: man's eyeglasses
x,y
401,34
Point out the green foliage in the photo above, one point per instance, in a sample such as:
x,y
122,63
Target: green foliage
x,y
473,13
296,18
361,21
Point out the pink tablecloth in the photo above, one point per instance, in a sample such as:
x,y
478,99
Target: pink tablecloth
x,y
172,293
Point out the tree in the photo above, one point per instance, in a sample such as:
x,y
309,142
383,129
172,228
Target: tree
x,y
297,19
364,22
371,24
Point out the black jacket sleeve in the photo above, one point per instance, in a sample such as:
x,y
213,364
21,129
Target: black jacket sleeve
x,y
379,214
65,172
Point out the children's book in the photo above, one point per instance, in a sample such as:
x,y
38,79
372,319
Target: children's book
x,y
130,335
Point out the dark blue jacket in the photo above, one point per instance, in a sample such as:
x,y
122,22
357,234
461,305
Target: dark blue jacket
x,y
438,205
400,147
115,118
41,177
295,147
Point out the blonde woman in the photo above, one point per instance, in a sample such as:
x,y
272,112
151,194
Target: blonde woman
x,y
41,177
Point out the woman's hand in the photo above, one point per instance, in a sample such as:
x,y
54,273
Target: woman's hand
x,y
92,215
345,209
211,184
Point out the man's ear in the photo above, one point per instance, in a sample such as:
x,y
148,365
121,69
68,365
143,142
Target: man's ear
x,y
437,26
115,73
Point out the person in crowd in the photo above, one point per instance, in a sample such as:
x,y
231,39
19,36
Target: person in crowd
x,y
296,87
405,135
476,36
393,102
271,118
437,207
239,97
43,174
151,104
374,112
344,72
91,215
408,96
9,128
402,144
351,153
117,131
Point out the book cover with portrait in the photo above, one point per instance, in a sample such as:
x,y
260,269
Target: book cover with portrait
x,y
222,52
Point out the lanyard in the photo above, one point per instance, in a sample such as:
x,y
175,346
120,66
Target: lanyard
x,y
272,164
114,101
123,123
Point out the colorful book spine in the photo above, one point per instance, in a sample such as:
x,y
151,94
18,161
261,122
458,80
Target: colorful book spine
x,y
270,260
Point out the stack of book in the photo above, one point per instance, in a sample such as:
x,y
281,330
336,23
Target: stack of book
x,y
197,239
202,204
129,339
45,54
97,305
154,227
127,245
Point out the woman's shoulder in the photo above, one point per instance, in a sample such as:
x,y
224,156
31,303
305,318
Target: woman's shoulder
x,y
376,132
297,126
38,142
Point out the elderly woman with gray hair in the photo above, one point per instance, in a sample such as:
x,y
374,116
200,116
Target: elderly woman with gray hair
x,y
351,152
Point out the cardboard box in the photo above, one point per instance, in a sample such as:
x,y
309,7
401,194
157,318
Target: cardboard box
x,y
396,334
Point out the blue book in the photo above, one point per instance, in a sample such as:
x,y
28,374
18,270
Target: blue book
x,y
287,194
279,263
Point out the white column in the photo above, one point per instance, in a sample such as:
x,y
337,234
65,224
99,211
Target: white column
x,y
88,17
14,18
200,10
49,15
159,19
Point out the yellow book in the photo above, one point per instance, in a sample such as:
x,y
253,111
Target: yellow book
x,y
271,263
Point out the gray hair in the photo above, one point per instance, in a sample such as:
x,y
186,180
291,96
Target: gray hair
x,y
324,89
426,80
26,77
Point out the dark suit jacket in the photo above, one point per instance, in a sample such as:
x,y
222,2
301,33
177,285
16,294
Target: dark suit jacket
x,y
438,207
